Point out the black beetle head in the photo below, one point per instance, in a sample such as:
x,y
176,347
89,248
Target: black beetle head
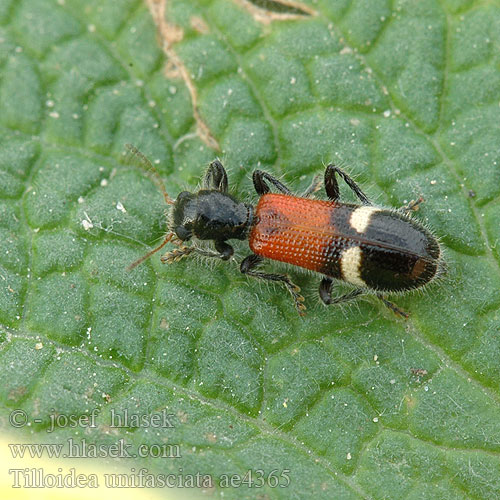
x,y
210,215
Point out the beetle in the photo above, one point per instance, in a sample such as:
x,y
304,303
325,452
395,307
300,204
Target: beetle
x,y
377,250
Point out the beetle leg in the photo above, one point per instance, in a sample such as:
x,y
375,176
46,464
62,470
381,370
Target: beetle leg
x,y
413,205
252,261
216,177
325,293
224,252
393,307
315,186
176,254
259,181
325,289
332,186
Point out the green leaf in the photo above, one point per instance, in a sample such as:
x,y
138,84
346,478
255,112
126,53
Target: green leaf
x,y
348,402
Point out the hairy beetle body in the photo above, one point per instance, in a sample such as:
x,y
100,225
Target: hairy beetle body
x,y
377,250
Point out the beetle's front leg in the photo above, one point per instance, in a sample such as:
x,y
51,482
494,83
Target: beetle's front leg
x,y
216,177
224,252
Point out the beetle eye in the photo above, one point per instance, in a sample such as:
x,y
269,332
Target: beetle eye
x,y
183,233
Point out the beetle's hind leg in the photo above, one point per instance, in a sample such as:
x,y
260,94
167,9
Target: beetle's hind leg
x,y
247,267
216,177
412,206
259,181
393,307
332,186
325,293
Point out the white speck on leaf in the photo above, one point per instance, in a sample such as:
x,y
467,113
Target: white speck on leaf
x,y
87,223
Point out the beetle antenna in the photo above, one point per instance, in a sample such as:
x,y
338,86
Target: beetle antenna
x,y
168,237
143,162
